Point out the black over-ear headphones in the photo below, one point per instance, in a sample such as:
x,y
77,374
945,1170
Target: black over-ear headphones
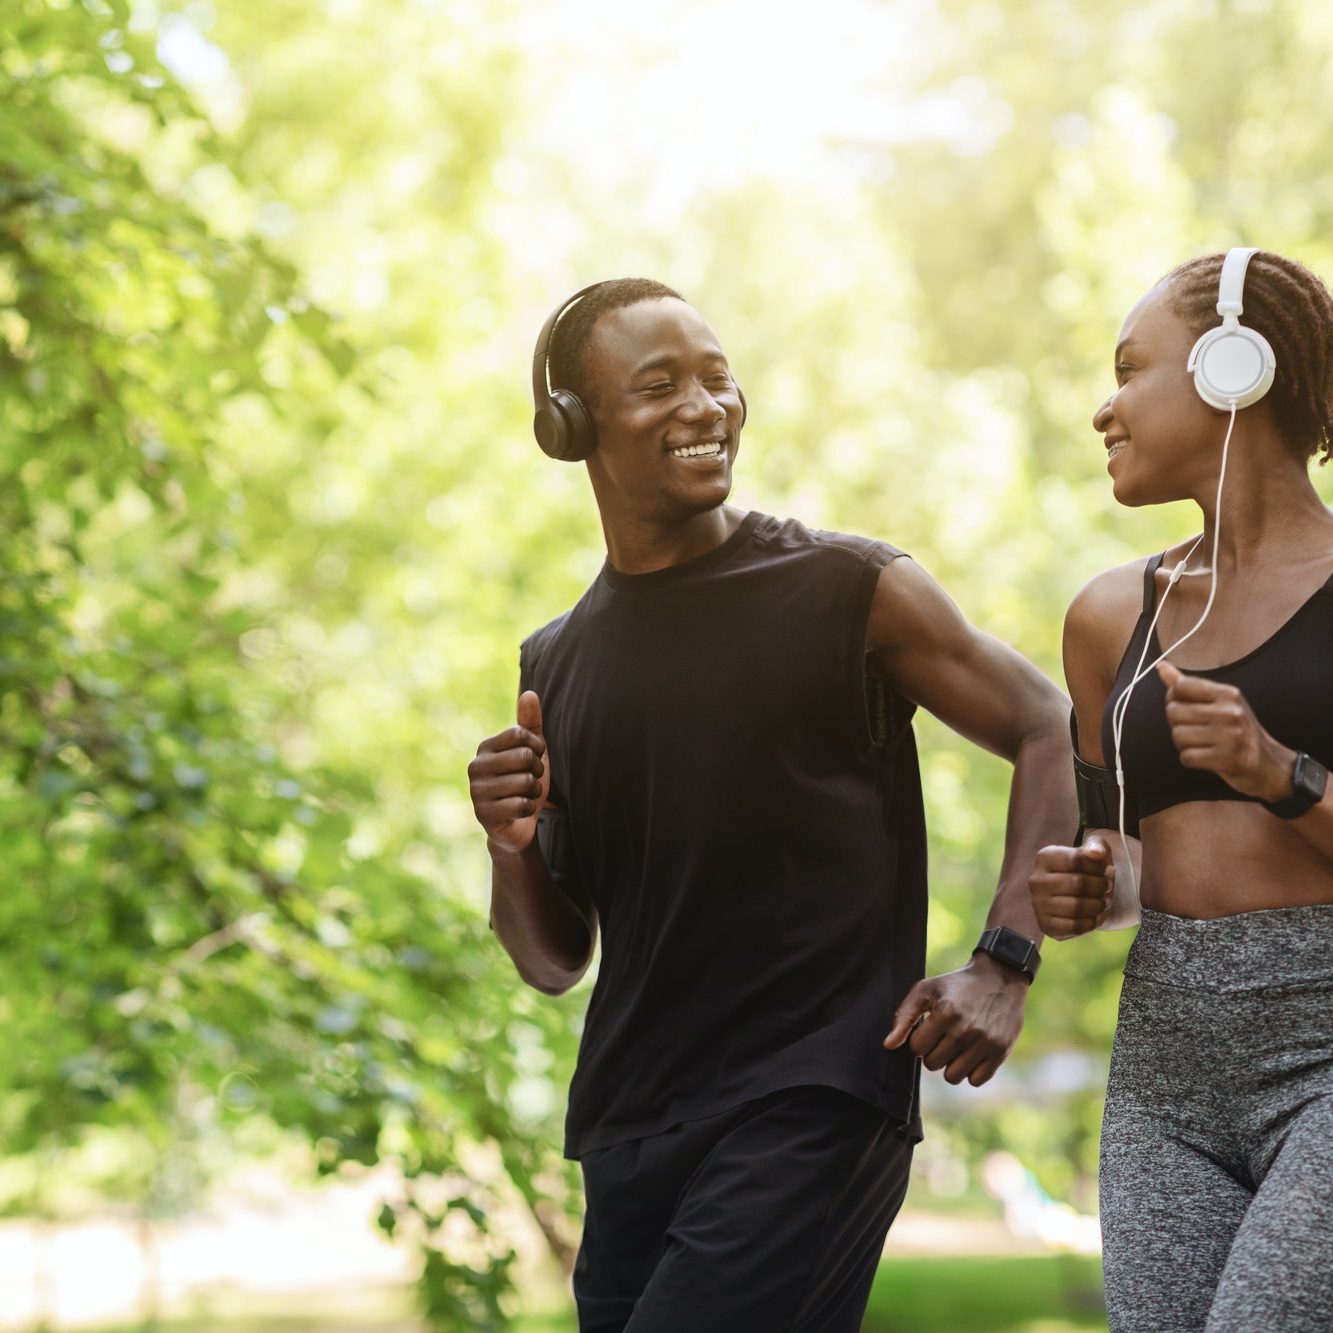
x,y
562,424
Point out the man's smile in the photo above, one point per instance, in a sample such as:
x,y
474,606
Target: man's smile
x,y
704,449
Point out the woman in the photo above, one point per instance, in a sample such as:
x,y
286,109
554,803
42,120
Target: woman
x,y
1217,1143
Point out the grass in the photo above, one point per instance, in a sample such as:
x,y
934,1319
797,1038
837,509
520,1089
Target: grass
x,y
987,1294
979,1294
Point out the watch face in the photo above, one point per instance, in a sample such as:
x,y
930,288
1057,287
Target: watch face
x,y
1309,777
1011,948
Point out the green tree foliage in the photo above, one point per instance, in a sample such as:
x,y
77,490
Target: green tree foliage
x,y
195,924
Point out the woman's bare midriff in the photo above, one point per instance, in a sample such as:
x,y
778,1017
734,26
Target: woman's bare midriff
x,y
1208,859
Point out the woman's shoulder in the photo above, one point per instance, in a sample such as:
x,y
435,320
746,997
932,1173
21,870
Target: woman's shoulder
x,y
1098,628
1105,608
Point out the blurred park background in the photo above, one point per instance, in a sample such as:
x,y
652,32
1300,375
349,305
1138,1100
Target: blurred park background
x,y
273,524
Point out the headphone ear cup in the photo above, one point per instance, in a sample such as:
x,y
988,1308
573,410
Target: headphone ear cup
x,y
1232,365
564,428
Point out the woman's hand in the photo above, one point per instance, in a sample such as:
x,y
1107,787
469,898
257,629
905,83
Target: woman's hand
x,y
1213,727
1072,888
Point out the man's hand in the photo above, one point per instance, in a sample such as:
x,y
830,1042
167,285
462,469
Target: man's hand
x,y
1214,728
1071,888
963,1022
510,779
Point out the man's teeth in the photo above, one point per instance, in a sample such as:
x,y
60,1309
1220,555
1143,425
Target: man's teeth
x,y
713,447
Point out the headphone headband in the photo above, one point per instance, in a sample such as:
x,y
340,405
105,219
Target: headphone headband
x,y
541,382
562,425
1231,285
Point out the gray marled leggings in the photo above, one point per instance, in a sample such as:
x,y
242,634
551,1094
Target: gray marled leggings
x,y
1217,1145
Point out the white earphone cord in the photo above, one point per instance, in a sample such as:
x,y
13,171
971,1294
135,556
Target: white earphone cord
x,y
1140,671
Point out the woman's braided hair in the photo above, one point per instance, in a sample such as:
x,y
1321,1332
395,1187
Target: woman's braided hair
x,y
1289,305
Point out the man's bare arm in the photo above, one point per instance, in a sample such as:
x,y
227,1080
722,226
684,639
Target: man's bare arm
x,y
966,1022
993,696
546,928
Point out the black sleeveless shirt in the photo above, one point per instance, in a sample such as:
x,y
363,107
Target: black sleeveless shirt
x,y
1287,681
756,855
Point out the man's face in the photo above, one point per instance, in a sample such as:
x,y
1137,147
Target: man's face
x,y
668,413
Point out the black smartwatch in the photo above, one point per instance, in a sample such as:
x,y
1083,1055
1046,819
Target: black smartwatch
x,y
1308,779
1010,948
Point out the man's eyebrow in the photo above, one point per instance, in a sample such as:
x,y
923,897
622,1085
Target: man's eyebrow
x,y
656,363
669,359
1125,342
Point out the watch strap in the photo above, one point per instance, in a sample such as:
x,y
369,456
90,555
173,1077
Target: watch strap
x,y
1308,779
1010,948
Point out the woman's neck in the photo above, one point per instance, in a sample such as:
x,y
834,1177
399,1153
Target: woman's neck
x,y
1269,510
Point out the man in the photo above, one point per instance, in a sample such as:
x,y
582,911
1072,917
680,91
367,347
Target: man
x,y
714,742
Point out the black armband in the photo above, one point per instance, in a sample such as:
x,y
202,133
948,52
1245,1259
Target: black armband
x,y
555,841
556,844
1098,795
888,713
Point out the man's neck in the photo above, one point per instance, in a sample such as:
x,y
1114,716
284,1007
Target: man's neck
x,y
642,547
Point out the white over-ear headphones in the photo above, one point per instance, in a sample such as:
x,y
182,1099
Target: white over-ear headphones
x,y
1233,365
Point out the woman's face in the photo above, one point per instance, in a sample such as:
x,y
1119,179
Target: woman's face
x,y
1163,441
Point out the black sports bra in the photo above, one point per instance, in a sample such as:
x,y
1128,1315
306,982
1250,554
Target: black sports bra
x,y
1287,681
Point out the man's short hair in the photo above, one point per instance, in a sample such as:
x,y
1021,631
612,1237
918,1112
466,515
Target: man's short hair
x,y
572,336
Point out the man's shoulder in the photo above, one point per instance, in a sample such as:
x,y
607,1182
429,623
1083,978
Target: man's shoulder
x,y
564,633
536,643
792,537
